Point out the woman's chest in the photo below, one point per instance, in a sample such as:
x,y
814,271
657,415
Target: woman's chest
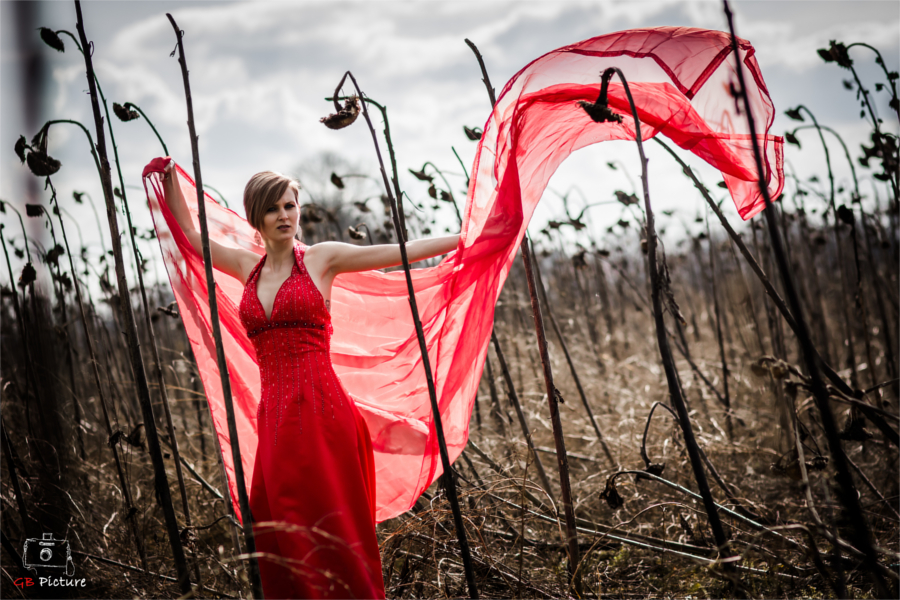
x,y
296,299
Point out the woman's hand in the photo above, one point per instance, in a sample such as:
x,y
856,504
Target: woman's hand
x,y
169,171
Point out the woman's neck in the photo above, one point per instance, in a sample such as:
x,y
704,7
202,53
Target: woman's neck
x,y
279,253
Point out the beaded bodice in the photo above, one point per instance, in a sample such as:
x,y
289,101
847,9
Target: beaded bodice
x,y
298,304
293,347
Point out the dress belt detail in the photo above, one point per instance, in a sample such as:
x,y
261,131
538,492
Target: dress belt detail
x,y
288,324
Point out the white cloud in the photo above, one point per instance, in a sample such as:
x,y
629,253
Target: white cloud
x,y
259,73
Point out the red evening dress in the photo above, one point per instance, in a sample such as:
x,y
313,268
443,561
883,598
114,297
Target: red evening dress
x,y
313,490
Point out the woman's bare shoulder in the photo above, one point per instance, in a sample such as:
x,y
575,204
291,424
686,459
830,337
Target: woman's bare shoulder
x,y
318,256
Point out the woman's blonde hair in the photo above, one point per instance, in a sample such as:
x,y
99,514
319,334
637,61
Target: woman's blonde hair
x,y
262,191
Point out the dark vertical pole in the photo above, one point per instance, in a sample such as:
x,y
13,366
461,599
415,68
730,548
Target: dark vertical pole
x,y
161,482
495,401
662,339
719,337
562,458
447,476
243,499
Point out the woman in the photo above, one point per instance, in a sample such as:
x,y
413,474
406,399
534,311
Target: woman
x,y
313,490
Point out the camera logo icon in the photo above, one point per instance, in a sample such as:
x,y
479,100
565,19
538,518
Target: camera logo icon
x,y
48,553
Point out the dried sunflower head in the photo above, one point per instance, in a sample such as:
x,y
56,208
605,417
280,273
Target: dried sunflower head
x,y
473,133
42,165
794,113
124,113
21,144
600,112
345,116
790,138
28,276
52,39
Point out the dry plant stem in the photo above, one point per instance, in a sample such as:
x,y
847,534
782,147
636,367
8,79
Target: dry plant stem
x,y
751,308
394,176
848,493
447,476
644,455
522,527
872,487
495,400
562,459
603,286
484,75
520,414
129,105
23,331
161,483
236,547
76,404
661,336
568,506
478,408
243,499
208,486
719,338
565,348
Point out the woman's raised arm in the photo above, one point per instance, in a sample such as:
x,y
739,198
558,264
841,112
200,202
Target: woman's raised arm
x,y
236,262
338,257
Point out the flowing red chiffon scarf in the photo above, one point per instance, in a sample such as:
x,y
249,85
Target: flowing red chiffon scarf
x,y
680,80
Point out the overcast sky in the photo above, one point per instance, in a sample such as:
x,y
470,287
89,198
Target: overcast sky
x,y
260,71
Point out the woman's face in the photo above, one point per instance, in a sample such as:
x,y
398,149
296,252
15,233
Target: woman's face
x,y
280,221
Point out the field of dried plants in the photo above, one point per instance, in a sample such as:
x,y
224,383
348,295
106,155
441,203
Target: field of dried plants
x,y
78,458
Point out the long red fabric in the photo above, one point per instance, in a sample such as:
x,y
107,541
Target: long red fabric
x,y
680,79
